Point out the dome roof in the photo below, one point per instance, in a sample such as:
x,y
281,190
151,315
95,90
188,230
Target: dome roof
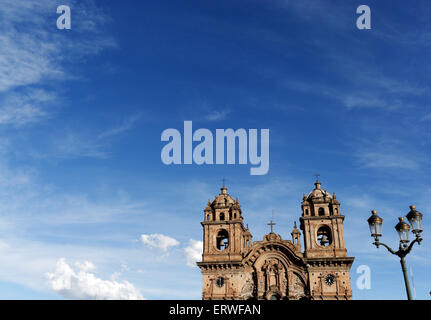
x,y
318,193
223,199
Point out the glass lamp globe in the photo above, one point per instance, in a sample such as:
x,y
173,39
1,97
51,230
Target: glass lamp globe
x,y
375,223
403,230
415,220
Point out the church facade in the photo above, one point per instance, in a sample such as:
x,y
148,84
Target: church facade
x,y
235,267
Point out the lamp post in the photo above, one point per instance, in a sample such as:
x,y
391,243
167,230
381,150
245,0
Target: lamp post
x,y
415,219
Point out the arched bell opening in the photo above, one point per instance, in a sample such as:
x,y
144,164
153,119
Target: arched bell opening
x,y
321,212
222,240
324,236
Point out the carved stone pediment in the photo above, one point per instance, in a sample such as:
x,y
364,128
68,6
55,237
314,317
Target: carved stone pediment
x,y
272,237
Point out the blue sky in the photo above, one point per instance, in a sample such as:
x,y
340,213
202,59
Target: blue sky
x,y
82,111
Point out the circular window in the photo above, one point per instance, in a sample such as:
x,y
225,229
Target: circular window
x,y
274,297
220,282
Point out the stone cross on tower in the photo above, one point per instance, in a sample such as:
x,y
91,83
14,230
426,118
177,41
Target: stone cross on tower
x,y
271,223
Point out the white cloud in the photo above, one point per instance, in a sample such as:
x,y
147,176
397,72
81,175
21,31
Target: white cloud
x,y
426,117
217,115
69,144
125,126
359,201
32,53
193,252
380,159
27,107
81,284
159,241
77,145
85,266
356,101
26,59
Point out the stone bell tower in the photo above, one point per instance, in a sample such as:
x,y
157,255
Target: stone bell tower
x,y
225,236
324,246
225,242
322,224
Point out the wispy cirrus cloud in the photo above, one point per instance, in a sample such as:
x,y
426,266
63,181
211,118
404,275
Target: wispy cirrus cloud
x,y
217,115
33,53
71,144
388,151
364,91
382,159
30,106
126,125
78,145
427,117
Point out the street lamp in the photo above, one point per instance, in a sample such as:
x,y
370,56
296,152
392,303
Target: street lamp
x,y
415,219
403,231
375,223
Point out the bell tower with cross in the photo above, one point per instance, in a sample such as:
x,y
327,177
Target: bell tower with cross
x,y
322,224
225,237
325,249
225,242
